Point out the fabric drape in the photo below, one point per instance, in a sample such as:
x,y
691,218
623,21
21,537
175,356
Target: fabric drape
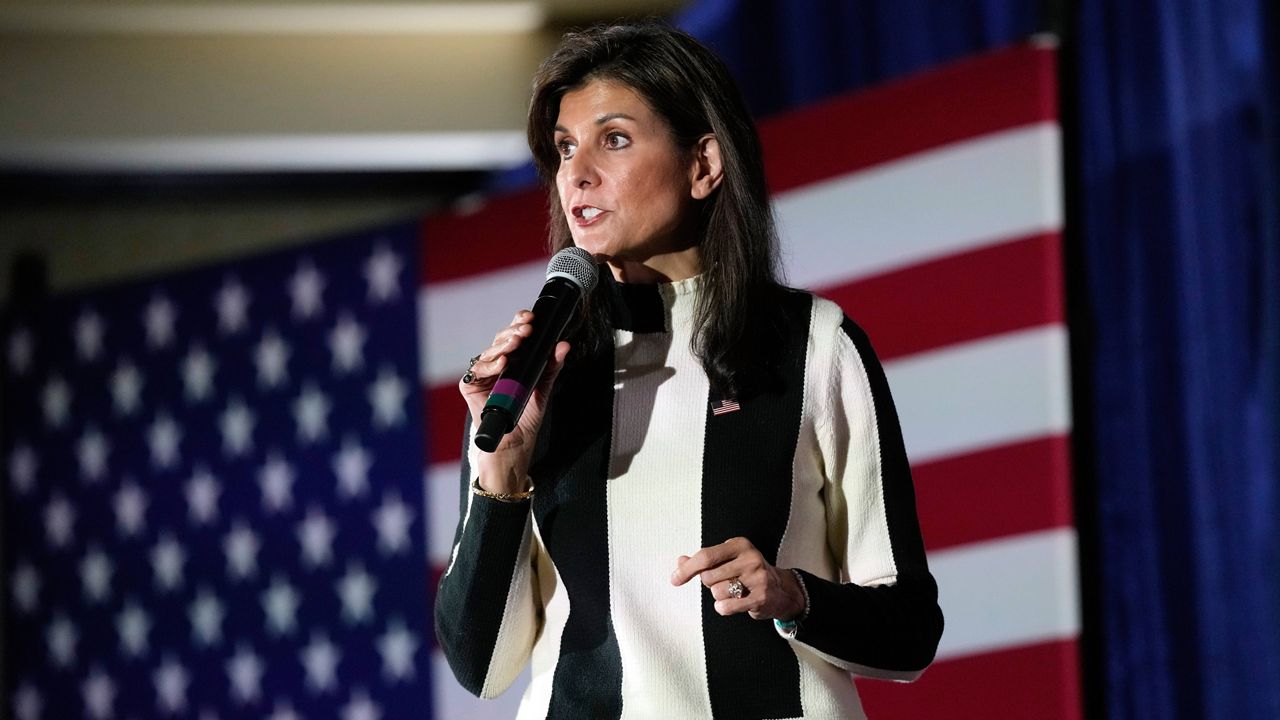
x,y
1179,220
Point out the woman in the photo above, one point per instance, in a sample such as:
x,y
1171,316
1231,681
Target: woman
x,y
706,508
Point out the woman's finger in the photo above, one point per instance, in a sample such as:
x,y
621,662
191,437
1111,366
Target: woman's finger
x,y
704,559
723,590
505,341
733,606
724,572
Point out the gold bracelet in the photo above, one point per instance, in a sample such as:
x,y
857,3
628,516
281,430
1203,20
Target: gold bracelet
x,y
501,497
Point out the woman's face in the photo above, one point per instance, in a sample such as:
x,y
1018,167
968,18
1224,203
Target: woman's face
x,y
625,188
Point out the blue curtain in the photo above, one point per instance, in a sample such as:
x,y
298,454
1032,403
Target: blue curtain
x,y
788,53
1179,218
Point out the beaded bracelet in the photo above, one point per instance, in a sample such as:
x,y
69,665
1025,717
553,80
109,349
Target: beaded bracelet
x,y
501,497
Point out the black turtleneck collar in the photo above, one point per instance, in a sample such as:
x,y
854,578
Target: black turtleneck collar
x,y
637,307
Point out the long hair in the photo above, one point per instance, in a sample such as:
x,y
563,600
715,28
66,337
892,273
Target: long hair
x,y
691,89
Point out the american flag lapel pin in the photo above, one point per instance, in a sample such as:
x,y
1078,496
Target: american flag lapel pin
x,y
724,405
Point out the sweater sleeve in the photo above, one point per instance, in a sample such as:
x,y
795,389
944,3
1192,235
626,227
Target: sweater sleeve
x,y
487,613
881,617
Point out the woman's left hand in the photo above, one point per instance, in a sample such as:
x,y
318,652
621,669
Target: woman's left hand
x,y
767,592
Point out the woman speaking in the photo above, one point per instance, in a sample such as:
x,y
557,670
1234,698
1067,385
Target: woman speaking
x,y
705,509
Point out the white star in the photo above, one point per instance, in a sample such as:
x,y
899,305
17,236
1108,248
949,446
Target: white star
x,y
56,401
241,547
92,451
283,711
361,707
205,615
382,271
197,374
276,480
131,508
21,347
88,332
280,604
352,468
171,681
316,536
397,647
232,304
346,343
387,396
306,286
392,519
26,587
126,388
237,428
95,575
245,672
27,703
320,657
59,520
167,559
356,589
62,637
272,359
99,694
164,436
23,464
159,317
311,412
203,491
133,624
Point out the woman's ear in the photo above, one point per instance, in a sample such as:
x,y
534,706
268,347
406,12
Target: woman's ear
x,y
707,170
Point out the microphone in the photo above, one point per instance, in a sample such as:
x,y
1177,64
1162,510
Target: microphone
x,y
571,274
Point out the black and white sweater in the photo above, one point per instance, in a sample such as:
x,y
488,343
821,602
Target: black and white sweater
x,y
635,470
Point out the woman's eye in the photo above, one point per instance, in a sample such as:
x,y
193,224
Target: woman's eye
x,y
616,141
566,148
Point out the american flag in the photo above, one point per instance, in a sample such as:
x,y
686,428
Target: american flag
x,y
931,210
725,405
213,498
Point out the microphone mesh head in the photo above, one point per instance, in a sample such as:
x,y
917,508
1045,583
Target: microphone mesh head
x,y
575,265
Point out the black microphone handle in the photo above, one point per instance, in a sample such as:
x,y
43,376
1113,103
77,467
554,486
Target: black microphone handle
x,y
554,310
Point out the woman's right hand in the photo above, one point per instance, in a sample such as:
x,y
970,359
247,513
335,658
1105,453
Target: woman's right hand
x,y
506,469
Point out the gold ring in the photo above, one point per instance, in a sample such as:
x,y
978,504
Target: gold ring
x,y
736,589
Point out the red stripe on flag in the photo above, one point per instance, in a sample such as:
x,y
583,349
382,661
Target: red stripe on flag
x,y
446,412
995,289
502,231
1039,681
1012,489
959,101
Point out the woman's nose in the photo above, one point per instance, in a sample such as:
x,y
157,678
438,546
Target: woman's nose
x,y
585,173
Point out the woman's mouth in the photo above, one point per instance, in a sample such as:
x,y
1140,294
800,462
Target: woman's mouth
x,y
586,214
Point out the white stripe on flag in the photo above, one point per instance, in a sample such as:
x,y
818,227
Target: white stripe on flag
x,y
980,394
442,491
458,319
960,197
1009,592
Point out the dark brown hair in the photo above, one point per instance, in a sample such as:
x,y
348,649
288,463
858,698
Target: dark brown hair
x,y
691,89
